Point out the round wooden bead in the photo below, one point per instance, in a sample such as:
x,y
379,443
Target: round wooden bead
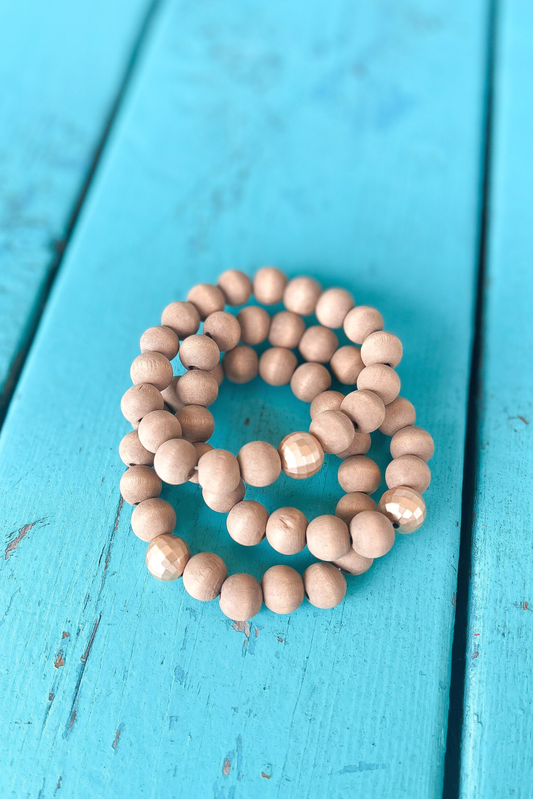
x,y
182,317
346,364
328,537
207,299
301,295
167,556
409,471
132,452
318,344
283,589
260,463
218,471
350,505
372,534
359,473
269,284
382,347
404,507
361,322
224,329
240,364
411,441
223,503
140,400
197,388
309,380
277,365
197,423
139,483
170,395
398,413
201,448
160,339
334,430
175,461
326,401
332,307
152,368
325,585
360,445
301,455
353,563
380,379
199,352
285,530
286,330
204,575
153,517
218,373
365,409
241,597
246,522
255,324
156,428
236,286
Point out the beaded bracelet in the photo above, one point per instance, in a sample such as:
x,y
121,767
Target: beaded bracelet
x,y
174,441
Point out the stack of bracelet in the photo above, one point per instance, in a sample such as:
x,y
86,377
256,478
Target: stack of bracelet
x,y
172,425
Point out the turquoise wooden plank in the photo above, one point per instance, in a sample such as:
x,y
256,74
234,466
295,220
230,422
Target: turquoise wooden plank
x,y
498,727
61,68
349,151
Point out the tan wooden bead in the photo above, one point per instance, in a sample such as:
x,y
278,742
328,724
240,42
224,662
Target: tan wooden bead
x,y
139,483
372,534
359,473
325,585
346,364
283,589
309,380
398,413
175,461
353,563
241,597
286,330
382,347
160,339
197,423
334,430
201,448
207,299
197,388
219,471
411,441
328,537
285,530
326,401
361,322
365,409
380,379
260,463
199,352
170,395
218,373
255,324
351,504
269,284
409,471
152,368
318,344
332,307
236,286
167,556
360,445
301,295
156,428
140,400
204,575
132,452
277,365
182,317
246,522
240,364
223,503
224,329
153,517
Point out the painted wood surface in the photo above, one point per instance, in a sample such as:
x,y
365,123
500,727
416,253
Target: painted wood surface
x,y
61,68
497,755
344,143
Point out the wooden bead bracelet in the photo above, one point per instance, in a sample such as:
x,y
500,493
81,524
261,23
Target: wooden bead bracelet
x,y
172,424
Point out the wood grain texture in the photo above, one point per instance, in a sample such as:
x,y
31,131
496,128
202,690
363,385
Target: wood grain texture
x,y
498,725
344,144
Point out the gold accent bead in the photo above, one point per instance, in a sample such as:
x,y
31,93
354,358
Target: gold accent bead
x,y
167,556
301,455
404,507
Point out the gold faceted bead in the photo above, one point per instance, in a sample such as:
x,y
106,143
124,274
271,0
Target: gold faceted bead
x,y
404,507
167,556
301,455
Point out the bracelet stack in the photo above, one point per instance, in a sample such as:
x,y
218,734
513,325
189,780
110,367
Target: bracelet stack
x,y
172,425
